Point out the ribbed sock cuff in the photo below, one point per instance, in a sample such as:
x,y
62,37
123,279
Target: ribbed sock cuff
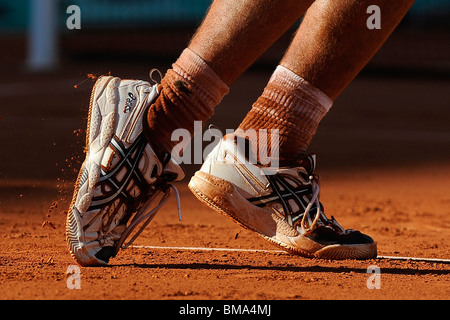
x,y
211,88
297,87
293,107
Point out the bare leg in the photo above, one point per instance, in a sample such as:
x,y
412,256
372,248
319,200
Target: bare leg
x,y
333,42
235,33
232,36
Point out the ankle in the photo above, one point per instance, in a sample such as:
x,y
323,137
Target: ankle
x,y
188,92
291,108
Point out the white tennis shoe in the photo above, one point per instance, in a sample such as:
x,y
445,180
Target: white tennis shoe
x,y
280,204
121,179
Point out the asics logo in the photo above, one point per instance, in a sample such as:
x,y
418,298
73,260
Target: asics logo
x,y
129,102
129,163
286,195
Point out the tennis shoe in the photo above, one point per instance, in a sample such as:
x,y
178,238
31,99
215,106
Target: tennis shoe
x,y
280,204
122,183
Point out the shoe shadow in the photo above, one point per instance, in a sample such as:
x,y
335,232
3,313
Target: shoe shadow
x,y
319,269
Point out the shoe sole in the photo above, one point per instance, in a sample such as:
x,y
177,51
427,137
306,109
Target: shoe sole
x,y
223,197
74,235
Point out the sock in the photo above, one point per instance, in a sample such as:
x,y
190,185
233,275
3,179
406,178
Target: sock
x,y
188,92
292,106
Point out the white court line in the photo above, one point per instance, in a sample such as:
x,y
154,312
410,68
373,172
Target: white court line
x,y
281,251
210,249
415,259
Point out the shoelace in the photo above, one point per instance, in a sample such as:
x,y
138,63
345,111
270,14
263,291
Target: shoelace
x,y
150,74
146,214
307,224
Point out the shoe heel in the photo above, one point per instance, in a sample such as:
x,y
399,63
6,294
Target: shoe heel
x,y
224,198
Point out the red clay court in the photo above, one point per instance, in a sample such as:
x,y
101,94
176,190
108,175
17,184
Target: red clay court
x,y
383,158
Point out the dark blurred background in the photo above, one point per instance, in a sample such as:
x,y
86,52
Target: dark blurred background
x,y
160,29
395,113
